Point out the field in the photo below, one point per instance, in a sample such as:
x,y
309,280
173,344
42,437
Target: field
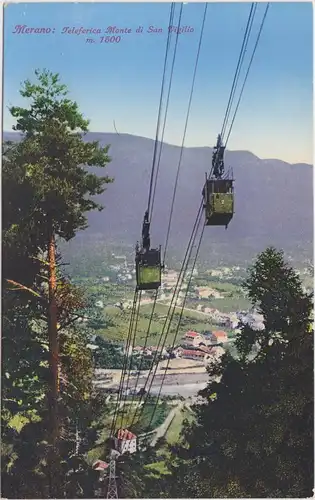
x,y
121,319
194,320
173,434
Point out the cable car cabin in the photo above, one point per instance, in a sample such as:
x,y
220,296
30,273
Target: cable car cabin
x,y
218,201
148,269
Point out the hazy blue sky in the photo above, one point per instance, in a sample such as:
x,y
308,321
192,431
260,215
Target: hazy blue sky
x,y
122,81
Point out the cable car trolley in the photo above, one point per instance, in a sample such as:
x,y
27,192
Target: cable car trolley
x,y
148,261
218,192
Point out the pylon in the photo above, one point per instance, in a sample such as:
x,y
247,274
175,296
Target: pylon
x,y
112,486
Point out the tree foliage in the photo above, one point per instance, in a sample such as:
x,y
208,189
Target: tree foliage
x,y
47,189
253,435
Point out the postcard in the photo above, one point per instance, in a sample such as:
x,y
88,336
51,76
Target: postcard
x,y
157,250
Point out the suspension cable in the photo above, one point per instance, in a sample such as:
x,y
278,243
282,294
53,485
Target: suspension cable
x,y
185,130
247,73
160,107
169,313
182,147
154,190
244,45
166,108
239,65
179,321
121,382
133,312
130,359
257,41
144,346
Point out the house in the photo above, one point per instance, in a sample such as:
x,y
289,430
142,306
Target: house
x,y
191,334
206,349
160,352
191,353
125,441
207,334
100,465
176,352
193,338
217,273
93,347
219,336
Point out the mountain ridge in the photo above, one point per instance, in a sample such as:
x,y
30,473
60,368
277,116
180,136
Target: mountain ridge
x,y
273,200
243,151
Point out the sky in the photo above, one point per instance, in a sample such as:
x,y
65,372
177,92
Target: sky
x,y
121,81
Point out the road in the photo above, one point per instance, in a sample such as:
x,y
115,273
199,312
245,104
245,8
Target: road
x,y
161,431
185,391
162,303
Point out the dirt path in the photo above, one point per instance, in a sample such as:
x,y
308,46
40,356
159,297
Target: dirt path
x,y
162,430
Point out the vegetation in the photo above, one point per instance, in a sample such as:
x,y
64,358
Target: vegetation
x,y
47,395
253,436
109,355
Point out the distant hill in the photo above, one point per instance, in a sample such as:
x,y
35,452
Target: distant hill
x,y
273,200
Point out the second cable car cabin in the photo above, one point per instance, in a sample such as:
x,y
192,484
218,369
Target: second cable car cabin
x,y
148,261
218,195
148,269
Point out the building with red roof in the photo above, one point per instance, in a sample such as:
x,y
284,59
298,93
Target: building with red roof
x,y
100,465
192,334
219,336
125,441
191,353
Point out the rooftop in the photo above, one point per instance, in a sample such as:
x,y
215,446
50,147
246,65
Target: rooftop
x,y
219,333
192,334
100,465
193,352
125,435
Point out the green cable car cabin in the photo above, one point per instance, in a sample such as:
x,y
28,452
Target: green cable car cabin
x,y
218,195
148,269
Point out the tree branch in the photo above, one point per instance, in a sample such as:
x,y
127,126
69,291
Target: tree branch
x,y
19,286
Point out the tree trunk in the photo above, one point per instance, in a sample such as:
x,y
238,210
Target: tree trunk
x,y
53,366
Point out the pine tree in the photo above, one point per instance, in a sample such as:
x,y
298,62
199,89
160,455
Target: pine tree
x,y
253,435
48,191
